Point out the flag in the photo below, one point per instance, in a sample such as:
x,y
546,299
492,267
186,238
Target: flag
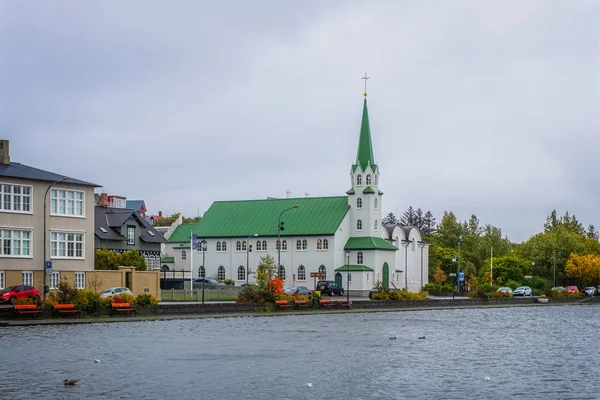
x,y
194,241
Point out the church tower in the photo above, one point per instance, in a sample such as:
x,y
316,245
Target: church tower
x,y
364,196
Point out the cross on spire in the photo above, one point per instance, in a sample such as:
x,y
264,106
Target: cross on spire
x,y
365,78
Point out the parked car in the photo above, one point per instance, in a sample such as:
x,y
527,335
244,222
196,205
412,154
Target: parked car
x,y
12,293
505,289
372,292
590,290
298,290
209,283
115,291
572,289
522,291
330,288
558,288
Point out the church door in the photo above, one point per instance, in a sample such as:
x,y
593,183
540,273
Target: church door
x,y
338,279
386,275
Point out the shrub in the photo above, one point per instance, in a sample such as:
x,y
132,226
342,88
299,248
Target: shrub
x,y
85,298
512,284
500,295
65,293
127,298
23,301
434,287
380,296
255,294
229,282
107,302
145,300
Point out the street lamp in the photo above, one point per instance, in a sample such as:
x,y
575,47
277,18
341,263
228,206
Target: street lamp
x,y
458,272
279,229
66,178
348,277
203,270
405,243
248,250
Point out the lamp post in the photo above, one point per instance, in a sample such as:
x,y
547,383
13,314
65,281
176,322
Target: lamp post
x,y
66,178
421,245
348,277
248,250
405,243
458,272
279,229
203,244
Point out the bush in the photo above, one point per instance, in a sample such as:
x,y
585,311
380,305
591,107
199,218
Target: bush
x,y
85,298
500,295
65,293
23,301
512,284
146,300
255,294
124,298
229,282
380,296
106,302
434,287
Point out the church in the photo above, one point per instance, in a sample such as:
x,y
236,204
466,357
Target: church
x,y
341,237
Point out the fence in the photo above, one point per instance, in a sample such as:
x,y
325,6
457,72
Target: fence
x,y
226,294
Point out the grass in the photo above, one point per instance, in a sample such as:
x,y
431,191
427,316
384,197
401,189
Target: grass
x,y
228,294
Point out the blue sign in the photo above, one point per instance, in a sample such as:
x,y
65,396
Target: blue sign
x,y
48,267
461,276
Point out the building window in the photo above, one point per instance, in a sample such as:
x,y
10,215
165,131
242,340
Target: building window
x,y
241,273
368,179
359,258
238,246
319,244
284,245
264,245
304,244
15,243
65,244
358,202
358,180
298,244
281,272
359,225
54,280
301,273
66,202
221,273
183,255
130,234
150,262
375,225
244,245
223,246
27,278
375,205
375,179
412,245
325,244
15,198
2,280
201,271
278,245
258,245
218,246
79,280
323,270
368,276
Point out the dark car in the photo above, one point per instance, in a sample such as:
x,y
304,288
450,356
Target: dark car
x,y
329,288
209,283
12,293
299,290
372,292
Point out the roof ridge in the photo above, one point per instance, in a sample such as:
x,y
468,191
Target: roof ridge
x,y
282,198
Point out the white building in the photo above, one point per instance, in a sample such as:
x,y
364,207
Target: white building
x,y
334,235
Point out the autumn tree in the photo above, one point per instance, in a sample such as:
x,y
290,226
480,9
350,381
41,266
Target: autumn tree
x,y
584,269
267,269
439,276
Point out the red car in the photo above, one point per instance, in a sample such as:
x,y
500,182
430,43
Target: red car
x,y
572,289
10,294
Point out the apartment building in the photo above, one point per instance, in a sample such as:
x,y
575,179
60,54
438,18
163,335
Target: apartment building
x,y
65,225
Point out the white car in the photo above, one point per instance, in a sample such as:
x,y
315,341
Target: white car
x,y
590,291
114,291
505,289
522,291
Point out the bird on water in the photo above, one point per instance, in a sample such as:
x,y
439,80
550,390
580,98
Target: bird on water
x,y
70,382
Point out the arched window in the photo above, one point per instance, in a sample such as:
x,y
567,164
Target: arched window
x,y
359,258
319,244
221,273
244,245
358,202
183,255
258,245
304,244
223,246
284,245
359,225
264,245
298,244
281,272
301,273
323,270
358,180
375,203
238,246
278,245
368,179
325,244
375,179
218,246
241,273
375,225
201,271
164,268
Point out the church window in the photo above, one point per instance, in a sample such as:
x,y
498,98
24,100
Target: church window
x,y
241,273
201,271
221,273
278,245
298,244
375,179
284,245
238,246
244,245
183,255
358,180
281,272
223,246
325,244
323,270
368,277
319,244
301,273
375,225
358,202
258,245
304,244
412,245
359,258
368,179
264,245
218,246
375,203
359,225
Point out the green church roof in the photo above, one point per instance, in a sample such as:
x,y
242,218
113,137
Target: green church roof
x,y
368,190
364,155
368,243
314,216
167,260
353,268
351,191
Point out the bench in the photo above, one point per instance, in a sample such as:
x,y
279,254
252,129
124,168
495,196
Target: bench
x,y
343,303
280,304
27,309
66,309
327,303
117,308
6,309
302,304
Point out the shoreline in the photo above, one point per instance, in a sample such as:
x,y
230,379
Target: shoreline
x,y
7,323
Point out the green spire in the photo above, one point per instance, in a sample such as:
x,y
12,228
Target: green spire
x,y
364,155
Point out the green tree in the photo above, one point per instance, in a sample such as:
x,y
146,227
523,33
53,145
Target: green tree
x,y
409,218
510,267
390,219
132,258
448,231
592,233
267,269
428,227
106,260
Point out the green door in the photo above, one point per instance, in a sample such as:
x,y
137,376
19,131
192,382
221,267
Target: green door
x,y
338,279
386,275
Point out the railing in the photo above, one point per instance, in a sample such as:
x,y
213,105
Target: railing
x,y
226,294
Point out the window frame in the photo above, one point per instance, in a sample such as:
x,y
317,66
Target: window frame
x,y
55,202
218,247
358,203
56,241
131,235
368,180
2,279
241,272
304,244
301,273
284,245
375,203
264,245
323,268
24,278
223,246
375,225
319,244
11,195
360,258
359,225
54,279
258,245
298,245
12,240
238,246
183,255
221,273
281,275
79,280
359,180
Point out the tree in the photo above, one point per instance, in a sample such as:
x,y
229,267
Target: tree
x,y
448,231
439,276
585,269
132,258
592,233
267,269
506,268
428,227
552,222
409,217
94,282
390,219
111,260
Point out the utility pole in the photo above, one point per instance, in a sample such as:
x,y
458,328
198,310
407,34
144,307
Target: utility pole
x,y
491,265
554,264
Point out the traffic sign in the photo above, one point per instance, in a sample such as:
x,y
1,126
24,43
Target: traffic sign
x,y
48,267
461,276
452,274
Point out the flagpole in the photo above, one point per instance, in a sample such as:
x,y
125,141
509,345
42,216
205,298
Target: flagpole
x,y
191,261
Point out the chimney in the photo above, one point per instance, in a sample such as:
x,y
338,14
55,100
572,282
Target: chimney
x,y
160,214
306,194
4,152
103,200
288,193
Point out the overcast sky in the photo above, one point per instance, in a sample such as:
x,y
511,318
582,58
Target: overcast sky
x,y
476,106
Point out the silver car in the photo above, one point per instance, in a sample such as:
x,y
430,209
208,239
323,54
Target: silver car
x,y
522,291
114,291
505,289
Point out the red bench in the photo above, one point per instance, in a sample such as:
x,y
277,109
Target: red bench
x,y
66,309
302,304
280,304
343,303
117,308
327,303
27,309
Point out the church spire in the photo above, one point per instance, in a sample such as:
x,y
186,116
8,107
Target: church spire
x,y
364,155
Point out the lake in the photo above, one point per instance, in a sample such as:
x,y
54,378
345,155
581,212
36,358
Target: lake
x,y
529,352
